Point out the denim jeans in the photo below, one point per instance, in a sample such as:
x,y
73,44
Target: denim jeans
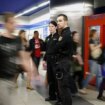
x,y
95,69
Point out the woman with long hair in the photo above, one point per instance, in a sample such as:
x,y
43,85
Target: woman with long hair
x,y
25,44
50,59
23,38
94,67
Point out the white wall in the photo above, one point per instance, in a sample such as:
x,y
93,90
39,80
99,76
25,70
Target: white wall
x,y
21,21
75,13
38,17
34,19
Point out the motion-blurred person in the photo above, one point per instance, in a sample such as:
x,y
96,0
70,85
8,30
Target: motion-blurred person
x,y
36,45
22,36
102,85
50,58
11,56
77,61
25,44
94,67
64,47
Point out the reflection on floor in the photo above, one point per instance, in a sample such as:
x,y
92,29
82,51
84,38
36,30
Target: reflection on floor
x,y
27,97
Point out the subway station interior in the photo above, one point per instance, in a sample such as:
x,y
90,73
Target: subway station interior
x,y
85,21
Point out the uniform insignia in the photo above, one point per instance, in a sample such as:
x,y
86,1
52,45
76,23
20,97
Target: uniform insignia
x,y
60,38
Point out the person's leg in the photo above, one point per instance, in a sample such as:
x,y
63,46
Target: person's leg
x,y
74,75
56,85
98,76
80,82
29,80
38,61
35,61
50,77
65,83
80,79
93,69
65,93
101,90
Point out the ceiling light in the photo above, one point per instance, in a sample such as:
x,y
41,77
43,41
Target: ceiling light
x,y
73,7
32,9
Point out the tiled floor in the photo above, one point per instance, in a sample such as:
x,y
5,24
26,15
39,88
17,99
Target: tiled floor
x,y
91,97
26,97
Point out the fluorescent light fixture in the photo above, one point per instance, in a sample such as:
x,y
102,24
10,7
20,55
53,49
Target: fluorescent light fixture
x,y
73,7
32,9
43,4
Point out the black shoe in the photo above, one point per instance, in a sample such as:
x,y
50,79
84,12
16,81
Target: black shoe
x,y
58,103
50,99
101,98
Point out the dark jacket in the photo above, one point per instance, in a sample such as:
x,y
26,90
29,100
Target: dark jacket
x,y
50,44
32,45
101,59
64,45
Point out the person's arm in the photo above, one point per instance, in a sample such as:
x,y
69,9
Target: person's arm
x,y
31,45
27,63
94,47
45,46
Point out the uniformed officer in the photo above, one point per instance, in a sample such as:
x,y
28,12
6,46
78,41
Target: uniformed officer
x,y
64,47
50,58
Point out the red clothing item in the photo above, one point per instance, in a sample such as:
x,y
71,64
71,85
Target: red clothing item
x,y
37,48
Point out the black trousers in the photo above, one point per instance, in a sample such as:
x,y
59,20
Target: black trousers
x,y
78,77
36,61
64,85
52,81
102,87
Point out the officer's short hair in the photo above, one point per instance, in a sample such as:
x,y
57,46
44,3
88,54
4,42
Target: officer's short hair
x,y
64,16
7,16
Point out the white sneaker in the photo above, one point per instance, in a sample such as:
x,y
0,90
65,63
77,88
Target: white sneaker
x,y
82,91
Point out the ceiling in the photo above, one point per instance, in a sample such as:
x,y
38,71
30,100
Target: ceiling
x,y
17,6
65,2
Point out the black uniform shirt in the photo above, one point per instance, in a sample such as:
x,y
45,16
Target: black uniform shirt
x,y
51,41
64,44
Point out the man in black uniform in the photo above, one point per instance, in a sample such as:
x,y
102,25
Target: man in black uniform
x,y
64,47
50,58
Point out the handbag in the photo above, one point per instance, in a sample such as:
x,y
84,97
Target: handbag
x,y
96,53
